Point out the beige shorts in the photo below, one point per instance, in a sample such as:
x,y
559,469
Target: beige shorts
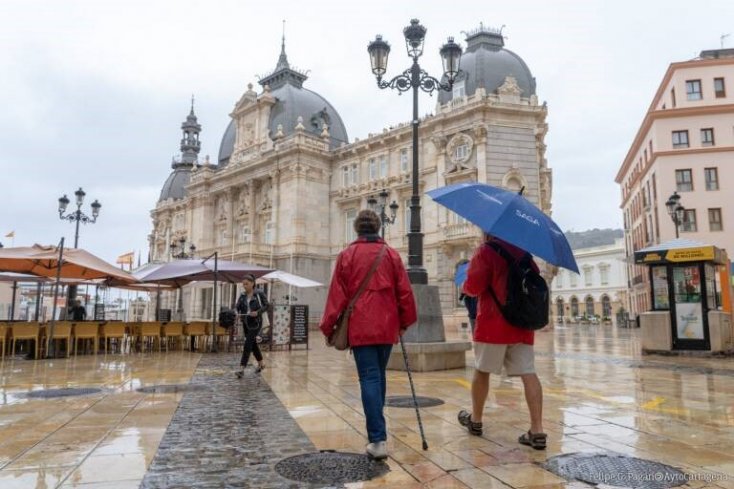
x,y
518,359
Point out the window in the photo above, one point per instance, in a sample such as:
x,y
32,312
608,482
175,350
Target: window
x,y
693,90
454,218
345,176
559,307
689,221
404,161
683,180
719,88
588,276
715,220
354,175
707,137
589,305
559,282
712,178
672,97
459,89
246,234
461,152
206,302
680,139
573,279
606,306
604,274
383,166
349,233
372,166
269,232
574,306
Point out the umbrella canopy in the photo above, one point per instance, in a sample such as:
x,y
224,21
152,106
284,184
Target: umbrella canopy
x,y
181,272
510,217
460,277
22,277
76,263
291,279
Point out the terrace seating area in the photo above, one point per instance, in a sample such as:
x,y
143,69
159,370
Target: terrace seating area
x,y
92,337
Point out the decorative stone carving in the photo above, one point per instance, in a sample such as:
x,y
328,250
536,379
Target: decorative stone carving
x,y
459,150
243,208
325,131
265,200
439,142
299,124
221,209
279,132
510,87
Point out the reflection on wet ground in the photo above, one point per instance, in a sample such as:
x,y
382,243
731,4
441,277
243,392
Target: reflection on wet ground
x,y
600,395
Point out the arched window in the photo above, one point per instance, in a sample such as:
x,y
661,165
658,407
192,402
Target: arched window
x,y
559,307
574,306
606,306
589,305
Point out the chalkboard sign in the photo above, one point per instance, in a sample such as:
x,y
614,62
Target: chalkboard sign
x,y
99,312
299,324
163,315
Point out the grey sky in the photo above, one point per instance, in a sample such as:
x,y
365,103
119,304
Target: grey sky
x,y
95,91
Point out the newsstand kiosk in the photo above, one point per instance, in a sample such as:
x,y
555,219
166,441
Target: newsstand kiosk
x,y
691,298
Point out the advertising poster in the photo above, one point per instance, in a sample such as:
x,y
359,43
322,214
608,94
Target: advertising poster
x,y
689,321
660,288
281,324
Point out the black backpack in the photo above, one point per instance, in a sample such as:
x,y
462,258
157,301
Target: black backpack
x,y
527,292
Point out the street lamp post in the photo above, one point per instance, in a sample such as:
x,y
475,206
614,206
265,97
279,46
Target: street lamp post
x,y
676,211
77,217
380,206
415,78
179,250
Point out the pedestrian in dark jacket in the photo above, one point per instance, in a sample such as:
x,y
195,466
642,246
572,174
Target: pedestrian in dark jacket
x,y
251,306
383,311
78,311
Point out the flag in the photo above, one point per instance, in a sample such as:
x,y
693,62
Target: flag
x,y
11,234
126,259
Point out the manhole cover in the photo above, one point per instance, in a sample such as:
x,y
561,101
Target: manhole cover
x,y
407,401
616,470
331,468
172,388
66,392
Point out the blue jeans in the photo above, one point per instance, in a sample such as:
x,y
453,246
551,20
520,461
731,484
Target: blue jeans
x,y
371,363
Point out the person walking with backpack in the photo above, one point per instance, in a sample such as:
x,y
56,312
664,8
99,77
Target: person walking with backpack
x,y
373,273
251,306
493,275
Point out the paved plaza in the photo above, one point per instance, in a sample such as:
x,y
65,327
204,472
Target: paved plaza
x,y
212,430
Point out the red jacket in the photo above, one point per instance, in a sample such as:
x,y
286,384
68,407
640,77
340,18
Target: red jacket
x,y
386,305
489,269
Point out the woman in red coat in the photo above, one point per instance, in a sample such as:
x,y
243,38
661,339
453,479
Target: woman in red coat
x,y
385,310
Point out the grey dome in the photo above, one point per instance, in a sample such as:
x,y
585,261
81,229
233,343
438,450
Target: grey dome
x,y
291,102
486,63
174,188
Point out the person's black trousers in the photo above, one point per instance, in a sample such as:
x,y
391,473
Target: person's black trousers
x,y
251,346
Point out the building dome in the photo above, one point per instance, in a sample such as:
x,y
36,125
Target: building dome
x,y
486,63
174,188
291,102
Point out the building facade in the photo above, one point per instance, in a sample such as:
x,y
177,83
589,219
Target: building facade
x,y
685,144
599,291
288,182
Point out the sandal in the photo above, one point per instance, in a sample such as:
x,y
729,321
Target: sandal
x,y
465,420
535,440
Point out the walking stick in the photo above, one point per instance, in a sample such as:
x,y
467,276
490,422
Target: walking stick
x,y
412,390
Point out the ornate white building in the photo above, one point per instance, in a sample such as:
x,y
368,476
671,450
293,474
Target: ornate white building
x,y
288,182
601,288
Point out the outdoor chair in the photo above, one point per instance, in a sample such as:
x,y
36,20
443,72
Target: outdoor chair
x,y
221,335
25,331
86,331
171,332
3,336
195,330
62,331
150,331
113,331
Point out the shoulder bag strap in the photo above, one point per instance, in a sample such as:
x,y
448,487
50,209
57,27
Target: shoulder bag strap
x,y
505,256
366,280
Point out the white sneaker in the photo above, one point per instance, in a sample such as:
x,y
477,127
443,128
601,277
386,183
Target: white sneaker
x,y
377,450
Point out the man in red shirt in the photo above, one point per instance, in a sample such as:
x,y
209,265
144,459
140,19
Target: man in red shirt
x,y
498,343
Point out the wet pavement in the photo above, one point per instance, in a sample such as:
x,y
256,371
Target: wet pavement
x,y
601,395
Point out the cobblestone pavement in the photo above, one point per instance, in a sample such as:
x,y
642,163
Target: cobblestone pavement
x,y
229,435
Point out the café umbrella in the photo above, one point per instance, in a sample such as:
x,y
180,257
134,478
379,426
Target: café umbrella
x,y
510,217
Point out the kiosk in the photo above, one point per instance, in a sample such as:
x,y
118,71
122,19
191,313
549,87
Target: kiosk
x,y
690,297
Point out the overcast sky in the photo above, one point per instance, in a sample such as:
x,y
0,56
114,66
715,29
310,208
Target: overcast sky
x,y
94,92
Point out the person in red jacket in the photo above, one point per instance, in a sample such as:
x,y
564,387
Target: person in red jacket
x,y
498,343
385,310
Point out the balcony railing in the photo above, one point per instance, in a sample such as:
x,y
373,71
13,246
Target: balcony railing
x,y
461,230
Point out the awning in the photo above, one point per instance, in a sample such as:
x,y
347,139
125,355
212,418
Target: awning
x,y
680,251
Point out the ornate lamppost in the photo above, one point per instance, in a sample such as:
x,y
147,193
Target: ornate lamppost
x,y
380,206
676,211
415,78
179,250
77,217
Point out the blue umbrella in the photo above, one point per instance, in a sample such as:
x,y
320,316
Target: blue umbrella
x,y
460,277
510,217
